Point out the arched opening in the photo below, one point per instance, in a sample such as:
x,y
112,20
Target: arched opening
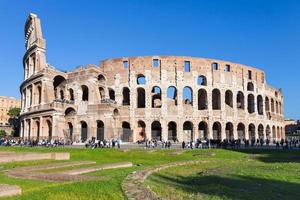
x,y
172,131
116,112
274,133
261,131
251,104
268,133
214,66
203,131
250,86
39,88
71,94
188,131
111,93
101,79
278,133
84,131
141,98
272,105
156,130
61,95
126,96
260,105
141,80
85,93
202,99
276,107
229,131
102,93
251,130
217,130
141,130
229,98
100,130
156,97
241,131
267,104
49,126
59,83
280,108
70,112
187,95
126,132
172,95
70,130
37,124
240,100
216,99
202,80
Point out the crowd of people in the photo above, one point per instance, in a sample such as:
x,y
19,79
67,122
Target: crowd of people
x,y
112,143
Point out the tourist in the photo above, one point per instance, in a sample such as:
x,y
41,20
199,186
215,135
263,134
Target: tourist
x,y
183,145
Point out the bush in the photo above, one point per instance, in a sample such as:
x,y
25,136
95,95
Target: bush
x,y
2,133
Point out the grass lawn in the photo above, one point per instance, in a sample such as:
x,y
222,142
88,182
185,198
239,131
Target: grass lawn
x,y
226,174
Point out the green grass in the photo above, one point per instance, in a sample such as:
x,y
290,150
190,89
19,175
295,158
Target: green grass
x,y
227,175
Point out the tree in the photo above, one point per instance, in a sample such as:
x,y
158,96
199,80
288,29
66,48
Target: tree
x,y
2,133
14,121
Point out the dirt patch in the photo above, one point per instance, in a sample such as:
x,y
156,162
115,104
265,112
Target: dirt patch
x,y
9,190
205,154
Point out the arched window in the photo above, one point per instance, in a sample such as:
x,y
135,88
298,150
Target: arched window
x,y
261,131
260,105
85,93
172,95
126,96
280,108
267,104
250,86
61,93
141,80
216,99
59,83
251,130
39,88
251,105
102,93
203,131
240,102
101,79
188,131
202,80
217,130
70,112
111,94
229,98
214,66
156,97
71,94
156,130
202,99
141,98
272,105
276,107
229,131
187,95
268,133
172,131
241,131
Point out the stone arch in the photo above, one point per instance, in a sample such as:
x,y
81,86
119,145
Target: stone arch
x,y
172,131
268,133
141,130
126,96
100,130
280,108
156,131
70,112
203,130
251,130
116,112
126,132
201,80
141,79
187,95
260,105
272,105
250,87
141,98
85,93
241,131
278,133
70,131
101,93
214,66
39,91
216,99
229,131
37,125
49,128
260,130
112,95
202,99
101,79
217,131
267,104
188,130
274,135
84,131
156,97
276,108
59,83
251,104
229,98
71,94
172,95
240,100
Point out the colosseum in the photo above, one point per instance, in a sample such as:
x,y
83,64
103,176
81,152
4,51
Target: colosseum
x,y
175,98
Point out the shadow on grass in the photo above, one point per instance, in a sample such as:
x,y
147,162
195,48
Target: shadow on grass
x,y
272,155
236,187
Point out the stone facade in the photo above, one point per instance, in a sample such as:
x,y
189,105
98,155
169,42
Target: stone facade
x,y
6,103
153,97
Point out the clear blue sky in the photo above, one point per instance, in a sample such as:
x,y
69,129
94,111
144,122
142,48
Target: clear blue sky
x,y
260,33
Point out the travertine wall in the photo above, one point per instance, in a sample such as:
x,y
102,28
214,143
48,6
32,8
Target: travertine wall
x,y
227,100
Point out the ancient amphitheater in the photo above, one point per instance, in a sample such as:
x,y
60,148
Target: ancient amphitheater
x,y
153,97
